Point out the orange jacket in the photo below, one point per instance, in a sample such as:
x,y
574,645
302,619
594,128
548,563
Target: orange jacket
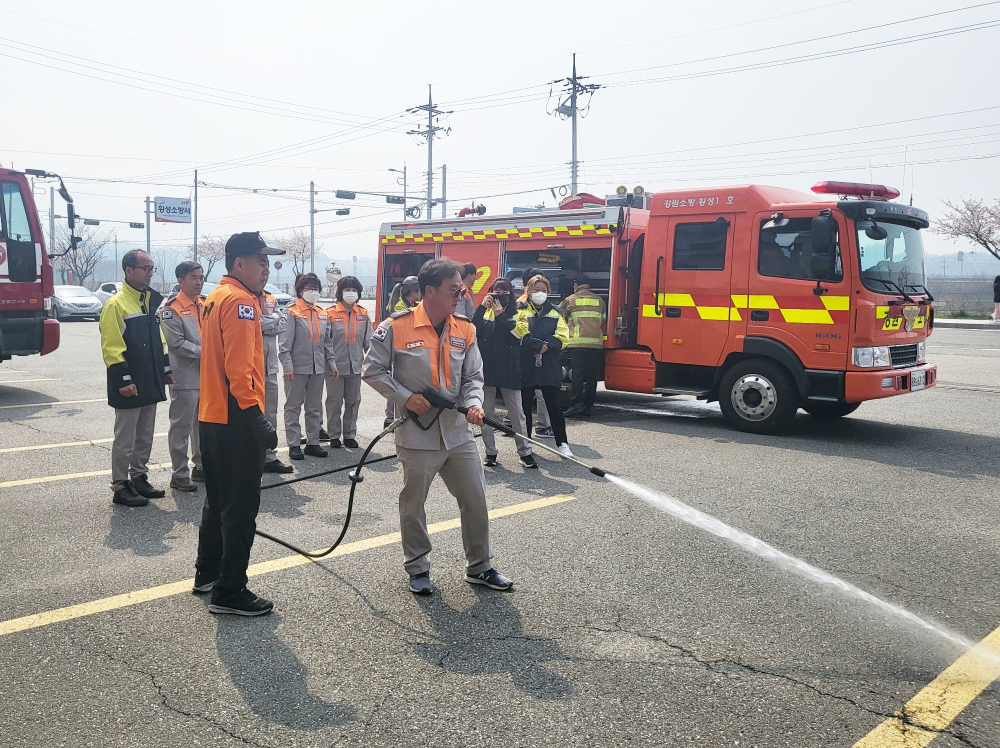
x,y
232,353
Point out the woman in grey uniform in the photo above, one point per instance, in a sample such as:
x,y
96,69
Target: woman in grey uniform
x,y
351,330
306,353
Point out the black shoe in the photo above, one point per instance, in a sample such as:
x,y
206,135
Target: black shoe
x,y
492,579
126,495
277,466
198,475
142,487
387,422
420,584
546,433
351,443
242,603
490,461
585,413
314,450
295,453
335,443
529,461
573,410
204,583
323,436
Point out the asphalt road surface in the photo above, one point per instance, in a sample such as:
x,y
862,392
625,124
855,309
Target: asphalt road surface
x,y
626,627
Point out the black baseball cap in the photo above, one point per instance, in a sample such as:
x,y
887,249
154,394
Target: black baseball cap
x,y
248,243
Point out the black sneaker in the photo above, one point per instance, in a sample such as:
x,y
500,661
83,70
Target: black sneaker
x,y
492,579
573,410
242,603
546,433
351,443
126,495
295,453
335,443
204,583
420,584
314,450
529,461
277,466
490,461
585,413
323,436
143,488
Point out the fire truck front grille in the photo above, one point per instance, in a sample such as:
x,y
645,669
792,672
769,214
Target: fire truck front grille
x,y
903,355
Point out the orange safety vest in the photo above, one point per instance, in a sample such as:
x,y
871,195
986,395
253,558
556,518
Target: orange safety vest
x,y
232,352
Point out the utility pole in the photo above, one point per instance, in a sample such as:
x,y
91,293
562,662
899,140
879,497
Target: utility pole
x,y
432,129
52,220
312,227
196,215
148,242
115,276
444,190
569,108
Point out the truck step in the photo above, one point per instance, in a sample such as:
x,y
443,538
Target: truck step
x,y
695,391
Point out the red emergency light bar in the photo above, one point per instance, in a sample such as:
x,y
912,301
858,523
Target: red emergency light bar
x,y
856,189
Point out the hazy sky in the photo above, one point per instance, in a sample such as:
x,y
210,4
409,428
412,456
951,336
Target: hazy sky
x,y
127,99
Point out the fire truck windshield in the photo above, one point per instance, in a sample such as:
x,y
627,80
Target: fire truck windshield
x,y
891,263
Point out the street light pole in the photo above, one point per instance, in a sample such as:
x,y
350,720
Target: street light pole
x,y
148,241
196,215
312,227
52,220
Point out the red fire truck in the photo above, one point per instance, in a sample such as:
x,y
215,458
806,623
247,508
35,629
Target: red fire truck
x,y
763,298
26,283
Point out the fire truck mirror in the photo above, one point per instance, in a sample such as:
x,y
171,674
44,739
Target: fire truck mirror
x,y
824,235
821,266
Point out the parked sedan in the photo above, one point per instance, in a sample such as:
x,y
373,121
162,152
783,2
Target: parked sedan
x,y
106,290
75,302
280,296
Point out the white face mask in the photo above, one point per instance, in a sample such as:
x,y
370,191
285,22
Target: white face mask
x,y
350,297
310,297
538,298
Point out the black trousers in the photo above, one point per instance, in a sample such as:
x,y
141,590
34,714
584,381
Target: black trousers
x,y
233,464
585,363
556,418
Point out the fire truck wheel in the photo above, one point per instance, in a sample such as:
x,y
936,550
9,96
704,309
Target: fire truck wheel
x,y
830,410
758,396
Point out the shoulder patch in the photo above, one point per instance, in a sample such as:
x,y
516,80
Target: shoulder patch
x,y
381,331
167,313
245,311
401,313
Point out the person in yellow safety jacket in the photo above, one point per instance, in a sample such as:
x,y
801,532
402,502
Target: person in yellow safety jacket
x,y
138,368
180,322
405,295
543,425
587,313
416,351
351,331
306,353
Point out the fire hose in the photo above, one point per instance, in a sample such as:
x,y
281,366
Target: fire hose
x,y
356,477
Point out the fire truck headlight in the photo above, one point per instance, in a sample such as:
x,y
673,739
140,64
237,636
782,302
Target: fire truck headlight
x,y
921,352
863,357
880,354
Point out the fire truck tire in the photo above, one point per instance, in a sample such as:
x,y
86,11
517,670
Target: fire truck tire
x,y
830,410
758,396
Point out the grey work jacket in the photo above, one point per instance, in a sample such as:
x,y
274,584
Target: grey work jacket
x,y
306,346
180,321
351,330
407,357
273,322
466,305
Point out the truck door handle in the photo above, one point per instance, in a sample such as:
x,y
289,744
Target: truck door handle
x,y
673,311
656,289
760,315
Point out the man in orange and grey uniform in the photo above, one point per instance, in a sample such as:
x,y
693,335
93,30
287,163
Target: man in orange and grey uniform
x,y
273,321
428,347
180,321
586,313
234,432
467,304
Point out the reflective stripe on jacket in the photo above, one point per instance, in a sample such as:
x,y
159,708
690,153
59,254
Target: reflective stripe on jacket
x,y
273,322
545,325
407,357
180,321
232,353
133,347
306,346
586,312
351,333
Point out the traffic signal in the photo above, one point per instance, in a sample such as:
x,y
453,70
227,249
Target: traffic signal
x,y
345,195
344,212
394,200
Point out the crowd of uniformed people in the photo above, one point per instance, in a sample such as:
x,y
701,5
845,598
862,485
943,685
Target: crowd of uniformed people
x,y
220,356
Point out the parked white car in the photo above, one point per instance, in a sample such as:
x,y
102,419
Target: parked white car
x,y
75,302
107,290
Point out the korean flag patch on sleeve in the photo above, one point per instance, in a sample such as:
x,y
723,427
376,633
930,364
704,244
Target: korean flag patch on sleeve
x,y
381,331
245,311
167,313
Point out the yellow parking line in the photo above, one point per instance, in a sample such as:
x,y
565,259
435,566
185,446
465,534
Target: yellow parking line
x,y
57,402
940,701
87,443
22,381
58,615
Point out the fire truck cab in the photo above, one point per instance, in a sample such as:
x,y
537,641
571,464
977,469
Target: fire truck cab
x,y
765,299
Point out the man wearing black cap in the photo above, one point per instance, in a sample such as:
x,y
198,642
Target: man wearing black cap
x,y
234,432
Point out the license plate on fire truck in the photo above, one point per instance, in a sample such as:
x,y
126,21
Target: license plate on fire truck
x,y
918,380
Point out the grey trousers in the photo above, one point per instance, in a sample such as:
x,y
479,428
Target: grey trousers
x,y
512,399
541,412
462,473
304,390
133,443
271,409
183,426
343,394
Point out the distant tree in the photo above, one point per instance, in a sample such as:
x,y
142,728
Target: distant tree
x,y
211,251
974,220
88,253
297,250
